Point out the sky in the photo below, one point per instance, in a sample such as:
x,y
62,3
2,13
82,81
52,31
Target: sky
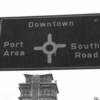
x,y
72,84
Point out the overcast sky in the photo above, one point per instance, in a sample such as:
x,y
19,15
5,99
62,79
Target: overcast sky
x,y
72,84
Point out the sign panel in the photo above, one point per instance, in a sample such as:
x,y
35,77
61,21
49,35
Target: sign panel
x,y
50,42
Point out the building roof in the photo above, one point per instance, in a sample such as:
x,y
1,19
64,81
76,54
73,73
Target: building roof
x,y
45,75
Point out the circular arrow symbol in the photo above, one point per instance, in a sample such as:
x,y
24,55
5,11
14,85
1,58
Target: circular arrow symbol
x,y
49,48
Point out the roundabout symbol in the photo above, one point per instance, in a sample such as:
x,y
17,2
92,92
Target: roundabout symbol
x,y
49,48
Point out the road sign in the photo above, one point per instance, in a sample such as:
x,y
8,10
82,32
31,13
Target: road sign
x,y
50,42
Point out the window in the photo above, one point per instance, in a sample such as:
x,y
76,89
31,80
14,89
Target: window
x,y
45,99
25,93
45,92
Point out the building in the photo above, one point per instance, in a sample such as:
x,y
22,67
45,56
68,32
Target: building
x,y
38,87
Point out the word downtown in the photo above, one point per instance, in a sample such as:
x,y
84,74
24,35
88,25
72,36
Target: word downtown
x,y
50,24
